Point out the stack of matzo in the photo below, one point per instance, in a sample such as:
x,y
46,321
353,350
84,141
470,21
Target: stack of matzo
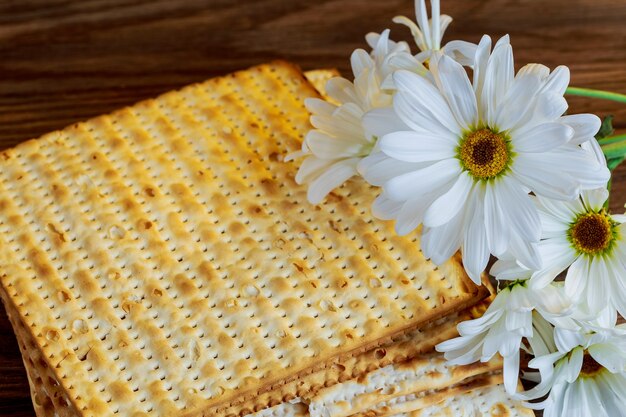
x,y
161,261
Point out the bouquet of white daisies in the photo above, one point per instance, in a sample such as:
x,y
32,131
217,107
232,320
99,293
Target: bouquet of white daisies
x,y
486,162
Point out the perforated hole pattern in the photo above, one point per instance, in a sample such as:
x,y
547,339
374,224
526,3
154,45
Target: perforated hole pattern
x,y
47,395
489,402
165,260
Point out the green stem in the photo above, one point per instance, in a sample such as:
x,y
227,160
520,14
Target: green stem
x,y
615,149
589,92
612,139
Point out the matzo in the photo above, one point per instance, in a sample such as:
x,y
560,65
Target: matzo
x,y
485,402
482,400
411,345
405,347
426,373
423,399
319,77
166,262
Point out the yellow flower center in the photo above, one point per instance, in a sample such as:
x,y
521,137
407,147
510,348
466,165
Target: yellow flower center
x,y
590,366
592,233
484,153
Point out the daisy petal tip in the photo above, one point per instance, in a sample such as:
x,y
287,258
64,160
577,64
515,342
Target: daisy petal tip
x,y
484,39
310,103
404,79
504,40
403,229
475,277
594,120
314,198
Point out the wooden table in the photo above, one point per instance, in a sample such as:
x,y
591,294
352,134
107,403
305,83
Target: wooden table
x,y
63,61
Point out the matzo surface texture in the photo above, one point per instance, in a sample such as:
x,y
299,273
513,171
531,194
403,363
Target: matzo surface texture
x,y
166,263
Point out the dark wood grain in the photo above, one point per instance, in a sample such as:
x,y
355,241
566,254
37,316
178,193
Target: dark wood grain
x,y
63,61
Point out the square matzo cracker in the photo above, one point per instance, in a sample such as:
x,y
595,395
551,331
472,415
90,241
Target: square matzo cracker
x,y
165,262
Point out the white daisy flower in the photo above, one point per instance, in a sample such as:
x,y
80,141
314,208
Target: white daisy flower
x,y
507,321
428,34
582,235
340,138
473,153
585,376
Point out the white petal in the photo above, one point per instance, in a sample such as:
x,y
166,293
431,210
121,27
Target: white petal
x,y
453,344
422,21
520,320
418,102
326,147
404,61
379,122
341,90
372,39
415,147
384,208
455,86
449,204
557,81
498,78
609,355
319,107
551,226
445,21
595,199
475,248
549,107
527,252
461,350
495,221
551,300
519,208
596,295
585,126
436,24
611,400
575,365
415,31
381,48
618,287
440,243
297,154
479,325
511,372
423,181
541,138
480,67
585,167
565,211
508,270
360,61
542,177
557,254
576,279
519,101
344,124
501,341
311,168
461,51
593,148
377,168
411,214
333,177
